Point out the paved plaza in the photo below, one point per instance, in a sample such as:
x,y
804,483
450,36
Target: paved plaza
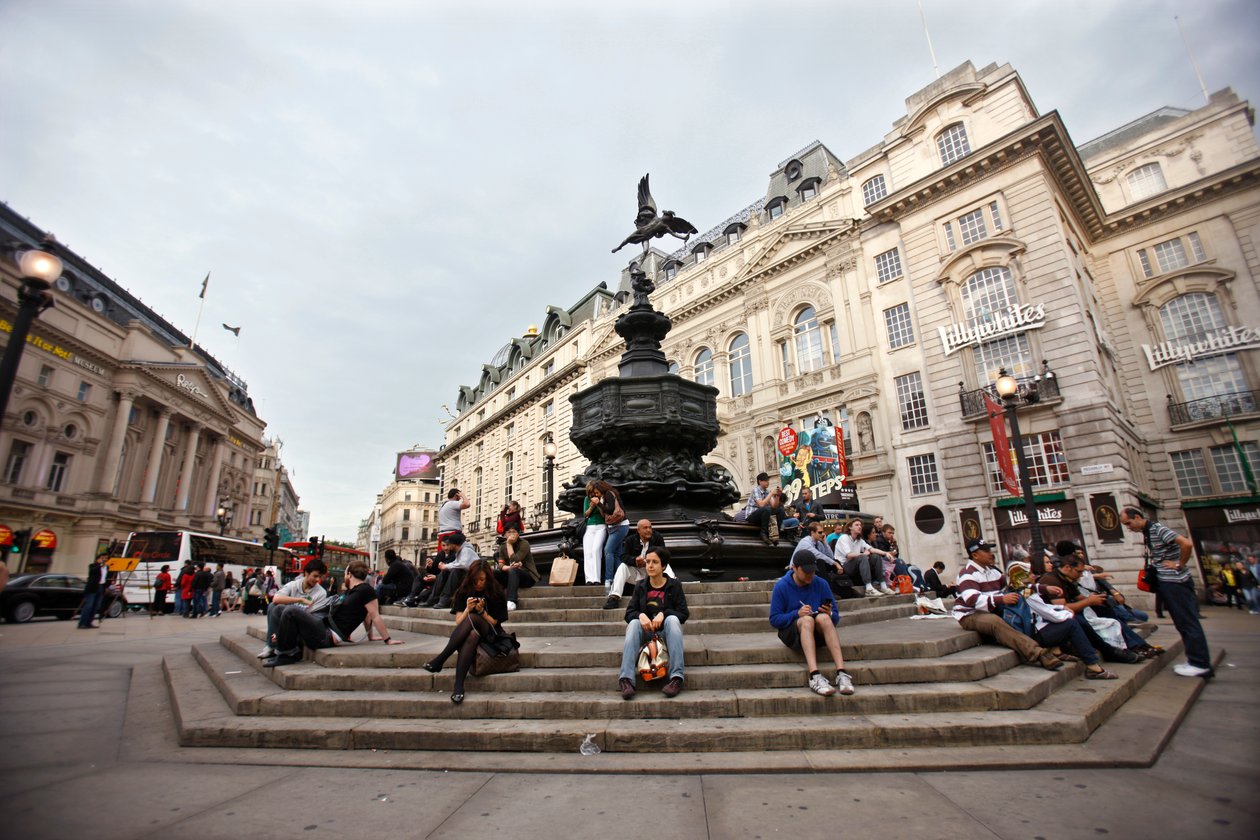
x,y
88,749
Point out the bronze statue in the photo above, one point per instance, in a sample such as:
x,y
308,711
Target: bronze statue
x,y
648,225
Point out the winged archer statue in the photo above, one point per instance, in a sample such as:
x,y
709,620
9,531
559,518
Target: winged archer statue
x,y
648,225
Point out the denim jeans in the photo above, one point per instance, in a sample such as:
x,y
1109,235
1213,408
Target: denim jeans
x,y
1183,606
273,621
636,638
1126,613
180,604
199,603
1068,632
614,536
216,597
91,603
513,580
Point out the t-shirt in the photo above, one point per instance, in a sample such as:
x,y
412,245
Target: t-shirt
x,y
655,600
317,594
464,559
448,516
1162,542
349,610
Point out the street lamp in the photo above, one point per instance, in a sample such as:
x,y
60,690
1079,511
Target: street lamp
x,y
1011,391
549,469
39,270
224,515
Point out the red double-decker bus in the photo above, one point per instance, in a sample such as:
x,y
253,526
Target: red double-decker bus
x,y
336,558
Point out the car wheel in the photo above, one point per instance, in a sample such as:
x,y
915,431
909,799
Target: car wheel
x,y
22,612
115,608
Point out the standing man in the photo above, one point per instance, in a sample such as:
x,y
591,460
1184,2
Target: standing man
x,y
217,581
449,521
1170,552
200,591
93,591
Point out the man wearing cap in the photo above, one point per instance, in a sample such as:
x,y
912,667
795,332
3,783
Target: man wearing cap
x,y
803,609
979,603
761,510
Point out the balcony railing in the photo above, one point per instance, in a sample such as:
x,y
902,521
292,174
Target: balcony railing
x,y
972,402
1213,408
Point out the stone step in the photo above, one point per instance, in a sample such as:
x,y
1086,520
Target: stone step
x,y
546,601
690,586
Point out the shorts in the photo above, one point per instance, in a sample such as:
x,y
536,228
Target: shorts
x,y
791,636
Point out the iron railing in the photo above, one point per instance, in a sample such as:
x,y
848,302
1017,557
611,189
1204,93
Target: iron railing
x,y
972,402
1213,408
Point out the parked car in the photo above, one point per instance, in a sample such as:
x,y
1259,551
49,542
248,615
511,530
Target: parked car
x,y
28,596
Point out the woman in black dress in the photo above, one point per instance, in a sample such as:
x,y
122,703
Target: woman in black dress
x,y
483,609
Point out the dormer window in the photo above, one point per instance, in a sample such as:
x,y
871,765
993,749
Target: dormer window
x,y
952,143
776,207
671,269
702,252
873,190
734,233
793,170
1146,181
808,189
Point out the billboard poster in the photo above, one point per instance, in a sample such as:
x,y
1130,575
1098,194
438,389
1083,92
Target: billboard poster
x,y
416,464
814,458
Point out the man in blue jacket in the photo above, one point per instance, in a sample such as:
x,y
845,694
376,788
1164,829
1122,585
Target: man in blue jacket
x,y
803,610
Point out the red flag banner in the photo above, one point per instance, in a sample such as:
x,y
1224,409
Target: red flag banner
x,y
1001,443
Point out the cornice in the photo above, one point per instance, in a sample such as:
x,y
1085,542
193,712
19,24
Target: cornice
x,y
547,387
1235,179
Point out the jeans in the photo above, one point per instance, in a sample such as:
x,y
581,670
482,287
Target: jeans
x,y
199,603
298,628
180,604
1182,605
216,597
615,535
91,603
1126,613
636,638
1058,633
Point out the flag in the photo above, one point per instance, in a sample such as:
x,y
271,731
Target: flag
x,y
204,284
236,331
1243,460
1001,444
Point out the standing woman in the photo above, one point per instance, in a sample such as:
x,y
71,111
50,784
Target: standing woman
x,y
617,526
483,611
593,539
161,586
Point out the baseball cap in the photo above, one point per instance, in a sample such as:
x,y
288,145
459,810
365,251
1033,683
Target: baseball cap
x,y
804,562
978,545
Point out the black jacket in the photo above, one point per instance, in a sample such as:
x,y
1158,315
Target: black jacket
x,y
94,583
400,575
675,601
632,545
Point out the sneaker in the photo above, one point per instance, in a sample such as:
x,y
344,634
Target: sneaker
x,y
844,683
267,652
1185,669
819,685
511,606
772,530
673,687
872,592
626,687
612,603
884,590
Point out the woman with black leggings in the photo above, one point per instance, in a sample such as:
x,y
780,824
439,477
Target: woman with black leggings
x,y
483,609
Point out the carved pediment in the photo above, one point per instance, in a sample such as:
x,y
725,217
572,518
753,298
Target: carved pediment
x,y
192,386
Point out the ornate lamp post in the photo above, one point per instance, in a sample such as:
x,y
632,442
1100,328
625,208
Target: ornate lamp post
x,y
1011,392
224,515
549,468
39,270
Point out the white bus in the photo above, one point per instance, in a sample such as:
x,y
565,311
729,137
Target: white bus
x,y
155,549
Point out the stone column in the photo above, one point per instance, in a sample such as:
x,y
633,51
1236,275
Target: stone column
x,y
216,469
155,458
108,482
185,475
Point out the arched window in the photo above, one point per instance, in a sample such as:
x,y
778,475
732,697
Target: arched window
x,y
986,294
673,368
1146,181
741,366
809,349
1192,318
873,190
704,367
952,143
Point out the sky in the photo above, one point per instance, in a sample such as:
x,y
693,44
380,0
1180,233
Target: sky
x,y
385,192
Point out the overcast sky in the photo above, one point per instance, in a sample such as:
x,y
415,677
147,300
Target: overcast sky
x,y
385,192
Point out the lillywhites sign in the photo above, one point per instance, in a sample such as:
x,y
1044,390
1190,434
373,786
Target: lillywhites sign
x,y
1018,517
1016,319
189,385
1236,515
1225,340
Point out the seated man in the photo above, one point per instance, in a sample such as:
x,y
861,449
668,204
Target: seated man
x,y
302,628
398,579
515,569
451,572
1066,573
764,509
935,584
815,545
631,569
302,593
803,609
979,607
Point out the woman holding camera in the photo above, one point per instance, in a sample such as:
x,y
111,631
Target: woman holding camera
x,y
596,529
483,611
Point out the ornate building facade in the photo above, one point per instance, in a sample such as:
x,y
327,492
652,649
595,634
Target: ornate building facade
x,y
885,292
115,424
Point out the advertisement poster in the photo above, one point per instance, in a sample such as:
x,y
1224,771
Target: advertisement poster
x,y
416,464
814,458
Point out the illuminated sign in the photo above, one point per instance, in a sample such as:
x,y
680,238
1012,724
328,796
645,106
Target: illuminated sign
x,y
416,464
55,349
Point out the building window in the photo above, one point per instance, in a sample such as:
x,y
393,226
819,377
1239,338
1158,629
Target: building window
x,y
704,367
44,379
741,366
808,189
477,487
952,143
786,359
674,368
775,208
809,349
549,368
57,472
1189,319
509,429
923,477
406,533
888,265
911,401
900,330
734,233
990,292
1192,479
1146,181
1171,255
19,452
873,190
793,170
85,391
971,227
549,408
701,251
406,514
508,462
974,225
1047,465
511,394
1229,467
671,269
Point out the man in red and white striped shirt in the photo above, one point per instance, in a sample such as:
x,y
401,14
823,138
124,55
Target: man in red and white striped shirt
x,y
979,603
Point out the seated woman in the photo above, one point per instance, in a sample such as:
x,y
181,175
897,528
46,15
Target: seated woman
x,y
658,605
860,559
482,610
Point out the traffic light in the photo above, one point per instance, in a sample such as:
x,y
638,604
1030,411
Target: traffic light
x,y
271,538
19,541
315,548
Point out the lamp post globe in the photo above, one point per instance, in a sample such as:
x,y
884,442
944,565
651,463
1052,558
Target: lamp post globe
x,y
39,269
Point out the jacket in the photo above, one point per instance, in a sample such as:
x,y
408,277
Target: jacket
x,y
675,602
633,545
522,554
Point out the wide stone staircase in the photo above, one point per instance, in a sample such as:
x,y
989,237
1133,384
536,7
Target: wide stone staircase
x,y
928,693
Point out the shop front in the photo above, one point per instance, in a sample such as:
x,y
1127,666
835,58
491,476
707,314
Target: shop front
x,y
1059,519
1223,532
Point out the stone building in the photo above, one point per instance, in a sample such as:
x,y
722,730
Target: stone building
x,y
275,501
883,293
406,518
115,424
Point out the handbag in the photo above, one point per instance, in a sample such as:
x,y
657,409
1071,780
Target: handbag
x,y
564,571
653,659
1148,578
905,584
618,514
497,655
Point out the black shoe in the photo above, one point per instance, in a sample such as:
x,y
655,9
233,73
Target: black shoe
x,y
282,659
431,668
1126,656
457,698
612,603
443,604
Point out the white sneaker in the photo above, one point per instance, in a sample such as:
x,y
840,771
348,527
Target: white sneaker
x,y
267,652
871,592
511,605
1185,669
885,590
819,685
844,682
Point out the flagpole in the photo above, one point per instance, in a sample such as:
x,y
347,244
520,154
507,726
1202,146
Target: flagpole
x,y
197,324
